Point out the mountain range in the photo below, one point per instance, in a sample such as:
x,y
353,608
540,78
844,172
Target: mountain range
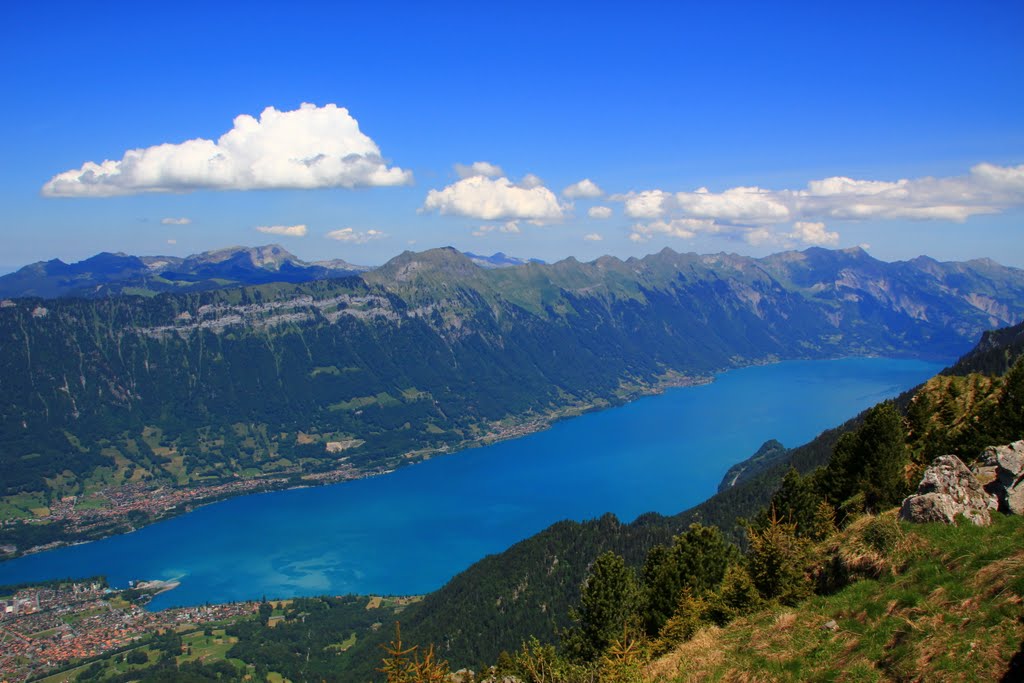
x,y
431,352
108,274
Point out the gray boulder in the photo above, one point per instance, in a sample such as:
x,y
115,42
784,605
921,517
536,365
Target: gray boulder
x,y
947,490
1001,472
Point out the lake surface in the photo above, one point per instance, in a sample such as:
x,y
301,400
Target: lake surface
x,y
410,531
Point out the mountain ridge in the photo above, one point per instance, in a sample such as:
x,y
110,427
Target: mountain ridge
x,y
115,273
426,354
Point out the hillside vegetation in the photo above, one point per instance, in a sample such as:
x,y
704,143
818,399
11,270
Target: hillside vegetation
x,y
867,465
949,608
826,585
426,354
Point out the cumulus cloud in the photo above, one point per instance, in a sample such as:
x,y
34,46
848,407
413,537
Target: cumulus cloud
x,y
495,199
309,147
584,189
683,228
355,236
812,233
738,204
593,237
483,168
530,181
176,221
284,230
600,212
801,232
760,216
986,189
646,204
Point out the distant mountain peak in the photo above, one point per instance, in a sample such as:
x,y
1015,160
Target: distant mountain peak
x,y
111,273
499,259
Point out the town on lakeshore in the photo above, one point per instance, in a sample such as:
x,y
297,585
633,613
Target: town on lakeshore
x,y
50,626
81,629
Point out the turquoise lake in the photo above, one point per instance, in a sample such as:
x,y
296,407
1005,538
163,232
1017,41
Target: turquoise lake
x,y
412,530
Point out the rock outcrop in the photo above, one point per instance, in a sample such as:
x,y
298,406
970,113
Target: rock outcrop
x,y
948,490
1001,472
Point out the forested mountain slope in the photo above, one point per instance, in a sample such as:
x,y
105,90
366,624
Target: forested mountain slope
x,y
528,590
430,352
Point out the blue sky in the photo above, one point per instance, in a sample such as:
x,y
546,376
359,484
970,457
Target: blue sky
x,y
741,127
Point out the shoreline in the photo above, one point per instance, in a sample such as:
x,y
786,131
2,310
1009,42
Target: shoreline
x,y
192,498
505,430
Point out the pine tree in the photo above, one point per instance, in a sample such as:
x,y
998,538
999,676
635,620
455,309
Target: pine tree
x,y
1010,407
688,617
430,669
824,523
883,446
870,462
777,560
797,501
397,667
623,662
697,560
736,596
608,603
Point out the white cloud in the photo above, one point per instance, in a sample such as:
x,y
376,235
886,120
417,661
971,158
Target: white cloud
x,y
172,241
584,189
531,181
755,214
484,168
683,228
802,233
812,233
986,189
738,204
495,199
593,237
309,147
600,212
176,221
354,236
646,204
284,230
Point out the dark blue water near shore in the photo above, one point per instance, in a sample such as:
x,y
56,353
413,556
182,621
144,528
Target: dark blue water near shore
x,y
412,530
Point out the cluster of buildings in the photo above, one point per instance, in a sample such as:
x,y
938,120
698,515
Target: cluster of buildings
x,y
48,627
115,504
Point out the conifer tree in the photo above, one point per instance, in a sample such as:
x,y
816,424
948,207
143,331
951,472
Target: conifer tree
x,y
870,462
797,501
884,450
397,667
608,603
1010,408
777,560
736,596
697,560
